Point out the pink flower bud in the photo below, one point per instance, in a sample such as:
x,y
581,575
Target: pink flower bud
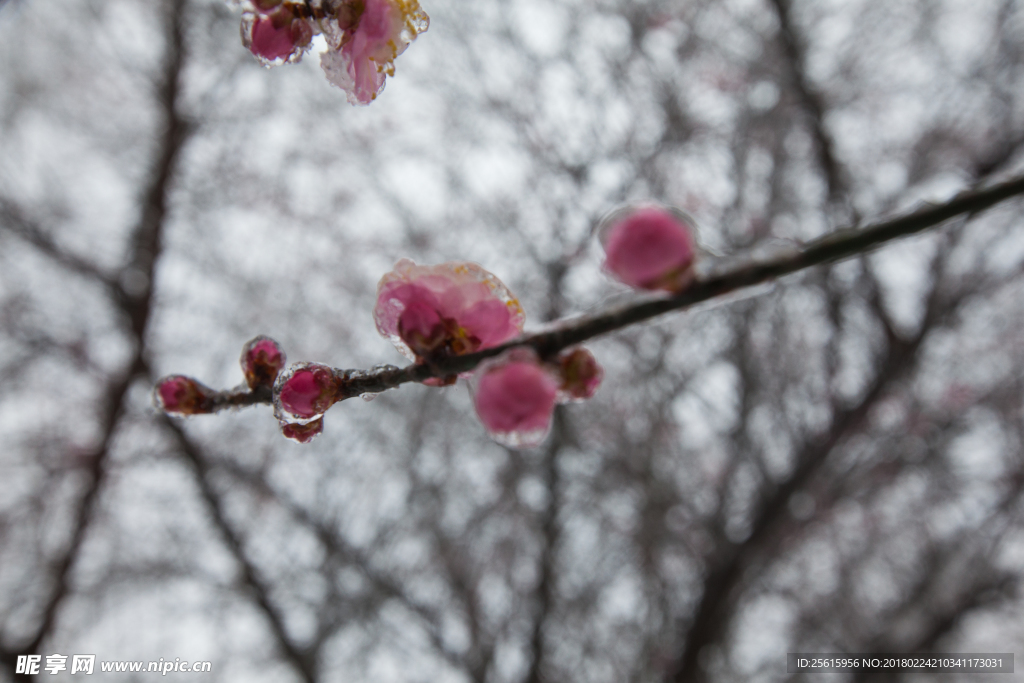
x,y
303,433
580,372
650,248
262,360
180,395
515,398
306,391
452,308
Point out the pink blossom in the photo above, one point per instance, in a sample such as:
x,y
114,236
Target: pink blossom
x,y
262,360
650,248
306,391
180,395
454,307
303,433
515,398
277,36
580,372
372,33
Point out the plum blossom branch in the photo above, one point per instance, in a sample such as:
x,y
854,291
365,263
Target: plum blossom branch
x,y
712,280
364,37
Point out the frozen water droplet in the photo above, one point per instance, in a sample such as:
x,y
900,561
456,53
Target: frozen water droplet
x,y
303,433
520,439
368,396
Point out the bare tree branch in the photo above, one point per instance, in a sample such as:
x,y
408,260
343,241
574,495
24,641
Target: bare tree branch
x,y
338,547
545,592
14,221
727,572
147,237
811,101
302,660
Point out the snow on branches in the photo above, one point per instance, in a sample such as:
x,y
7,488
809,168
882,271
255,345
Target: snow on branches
x,y
363,37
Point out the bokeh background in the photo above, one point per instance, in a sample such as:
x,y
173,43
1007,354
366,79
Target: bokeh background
x,y
832,464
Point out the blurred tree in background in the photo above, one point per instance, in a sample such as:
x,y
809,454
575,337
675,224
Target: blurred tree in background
x,y
832,464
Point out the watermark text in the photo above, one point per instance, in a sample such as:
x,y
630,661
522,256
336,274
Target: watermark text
x,y
34,665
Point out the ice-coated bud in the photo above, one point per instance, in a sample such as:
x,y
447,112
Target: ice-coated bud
x,y
271,40
453,308
305,392
581,374
515,397
650,247
279,35
303,433
262,361
368,36
181,395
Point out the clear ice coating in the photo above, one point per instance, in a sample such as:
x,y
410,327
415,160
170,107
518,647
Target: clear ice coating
x,y
364,41
374,371
521,439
